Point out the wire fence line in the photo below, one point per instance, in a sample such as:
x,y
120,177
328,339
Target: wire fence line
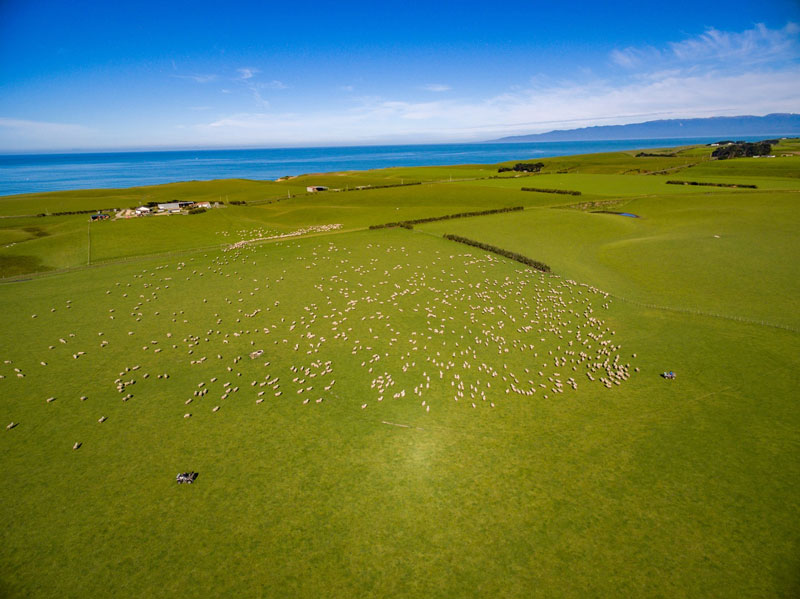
x,y
145,257
102,263
696,312
692,311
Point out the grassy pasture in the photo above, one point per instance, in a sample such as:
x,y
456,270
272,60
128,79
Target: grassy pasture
x,y
623,162
450,454
607,185
98,199
671,256
66,245
779,167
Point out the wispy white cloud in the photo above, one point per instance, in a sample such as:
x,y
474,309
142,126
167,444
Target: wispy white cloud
x,y
436,87
632,58
41,126
716,73
26,134
197,78
247,73
751,46
532,110
247,78
720,49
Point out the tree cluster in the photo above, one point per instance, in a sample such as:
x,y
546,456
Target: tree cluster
x,y
523,167
742,149
500,252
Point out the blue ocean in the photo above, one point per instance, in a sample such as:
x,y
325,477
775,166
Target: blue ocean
x,y
28,173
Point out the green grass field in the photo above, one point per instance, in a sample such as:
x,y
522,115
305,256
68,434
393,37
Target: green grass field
x,y
389,413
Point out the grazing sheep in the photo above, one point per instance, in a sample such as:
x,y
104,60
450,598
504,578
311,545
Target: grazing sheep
x,y
11,425
187,415
102,419
77,445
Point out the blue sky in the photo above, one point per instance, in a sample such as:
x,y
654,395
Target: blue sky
x,y
105,75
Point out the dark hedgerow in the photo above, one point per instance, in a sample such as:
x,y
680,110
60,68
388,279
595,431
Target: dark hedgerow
x,y
674,182
568,192
501,252
368,187
71,212
408,224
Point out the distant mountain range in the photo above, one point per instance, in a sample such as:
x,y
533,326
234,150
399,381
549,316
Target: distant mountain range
x,y
724,127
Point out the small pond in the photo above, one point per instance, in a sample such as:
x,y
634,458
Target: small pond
x,y
628,214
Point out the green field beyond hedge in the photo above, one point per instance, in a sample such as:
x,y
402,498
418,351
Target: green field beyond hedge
x,y
387,412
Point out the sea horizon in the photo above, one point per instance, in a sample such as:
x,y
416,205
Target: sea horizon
x,y
68,171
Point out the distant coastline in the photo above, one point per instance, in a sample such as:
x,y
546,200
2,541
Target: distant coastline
x,y
739,127
32,173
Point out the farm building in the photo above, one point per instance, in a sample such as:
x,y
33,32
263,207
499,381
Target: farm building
x,y
313,188
99,216
173,207
142,210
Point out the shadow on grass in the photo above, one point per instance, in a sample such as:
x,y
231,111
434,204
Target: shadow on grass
x,y
13,266
36,231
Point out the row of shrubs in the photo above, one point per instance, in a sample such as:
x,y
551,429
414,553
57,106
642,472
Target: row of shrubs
x,y
711,184
568,192
523,167
366,187
501,252
649,155
71,212
408,224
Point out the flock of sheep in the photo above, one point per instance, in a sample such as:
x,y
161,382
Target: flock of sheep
x,y
422,325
